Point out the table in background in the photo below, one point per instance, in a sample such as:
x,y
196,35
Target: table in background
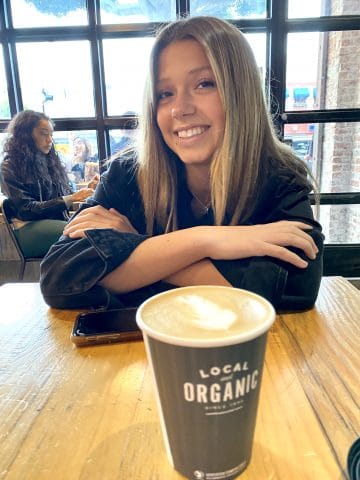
x,y
90,413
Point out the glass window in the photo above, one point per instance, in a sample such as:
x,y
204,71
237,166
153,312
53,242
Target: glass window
x,y
125,77
257,42
340,223
78,151
300,137
323,70
2,139
4,99
320,8
56,78
229,9
49,13
124,90
331,150
137,11
121,139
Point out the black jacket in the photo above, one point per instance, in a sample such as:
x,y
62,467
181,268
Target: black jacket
x,y
34,199
71,269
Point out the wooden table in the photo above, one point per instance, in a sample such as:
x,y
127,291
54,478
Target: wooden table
x,y
90,413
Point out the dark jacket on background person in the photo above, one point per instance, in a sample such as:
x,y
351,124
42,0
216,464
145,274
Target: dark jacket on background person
x,y
33,200
72,268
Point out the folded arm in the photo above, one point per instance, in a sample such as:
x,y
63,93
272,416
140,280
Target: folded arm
x,y
160,257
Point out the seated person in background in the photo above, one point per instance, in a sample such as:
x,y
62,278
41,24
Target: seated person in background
x,y
211,196
82,156
35,181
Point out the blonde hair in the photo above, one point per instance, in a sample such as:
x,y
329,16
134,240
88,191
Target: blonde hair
x,y
249,143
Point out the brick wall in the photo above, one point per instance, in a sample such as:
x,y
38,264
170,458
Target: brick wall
x,y
341,141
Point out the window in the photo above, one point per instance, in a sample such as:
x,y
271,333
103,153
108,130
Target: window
x,y
321,71
84,62
321,8
49,13
125,77
53,89
135,11
4,101
78,151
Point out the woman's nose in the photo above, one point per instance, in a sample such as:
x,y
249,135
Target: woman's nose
x,y
183,106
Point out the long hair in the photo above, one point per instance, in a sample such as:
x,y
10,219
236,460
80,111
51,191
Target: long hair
x,y
86,153
21,155
249,143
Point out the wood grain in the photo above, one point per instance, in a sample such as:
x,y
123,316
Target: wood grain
x,y
90,413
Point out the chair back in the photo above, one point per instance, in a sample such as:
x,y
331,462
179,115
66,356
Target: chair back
x,y
7,215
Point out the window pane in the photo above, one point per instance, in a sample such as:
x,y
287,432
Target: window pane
x,y
125,79
56,78
121,139
49,13
229,9
137,11
2,139
78,151
4,99
323,70
332,152
341,223
320,8
257,42
300,138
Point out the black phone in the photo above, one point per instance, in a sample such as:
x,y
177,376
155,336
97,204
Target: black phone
x,y
108,326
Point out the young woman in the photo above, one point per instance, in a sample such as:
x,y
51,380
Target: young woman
x,y
85,167
209,197
34,179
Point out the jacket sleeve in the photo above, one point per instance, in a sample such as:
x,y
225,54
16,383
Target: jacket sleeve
x,y
26,201
71,270
287,287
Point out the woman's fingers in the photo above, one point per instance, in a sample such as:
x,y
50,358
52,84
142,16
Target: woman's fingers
x,y
274,240
82,194
296,240
97,217
284,254
93,182
290,234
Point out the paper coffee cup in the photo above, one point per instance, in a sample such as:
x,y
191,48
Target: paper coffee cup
x,y
206,347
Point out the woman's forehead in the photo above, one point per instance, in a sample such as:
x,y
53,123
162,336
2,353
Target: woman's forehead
x,y
45,125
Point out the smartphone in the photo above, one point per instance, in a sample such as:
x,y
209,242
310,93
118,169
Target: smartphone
x,y
106,326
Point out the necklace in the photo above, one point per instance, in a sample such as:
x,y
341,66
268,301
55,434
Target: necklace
x,y
205,207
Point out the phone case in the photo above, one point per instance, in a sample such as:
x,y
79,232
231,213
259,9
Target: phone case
x,y
108,326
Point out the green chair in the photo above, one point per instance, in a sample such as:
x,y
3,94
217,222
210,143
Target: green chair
x,y
7,215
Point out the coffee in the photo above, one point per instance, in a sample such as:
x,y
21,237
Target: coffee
x,y
206,346
206,313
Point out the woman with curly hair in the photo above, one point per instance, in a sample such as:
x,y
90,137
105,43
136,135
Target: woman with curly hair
x,y
208,196
35,181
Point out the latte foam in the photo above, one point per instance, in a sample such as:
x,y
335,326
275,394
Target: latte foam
x,y
205,313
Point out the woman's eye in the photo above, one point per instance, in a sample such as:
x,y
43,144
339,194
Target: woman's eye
x,y
206,84
163,95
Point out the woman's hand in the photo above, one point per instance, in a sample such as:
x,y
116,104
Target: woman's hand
x,y
82,194
93,182
97,217
272,239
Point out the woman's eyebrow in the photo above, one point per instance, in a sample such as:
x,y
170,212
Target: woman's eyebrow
x,y
193,71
